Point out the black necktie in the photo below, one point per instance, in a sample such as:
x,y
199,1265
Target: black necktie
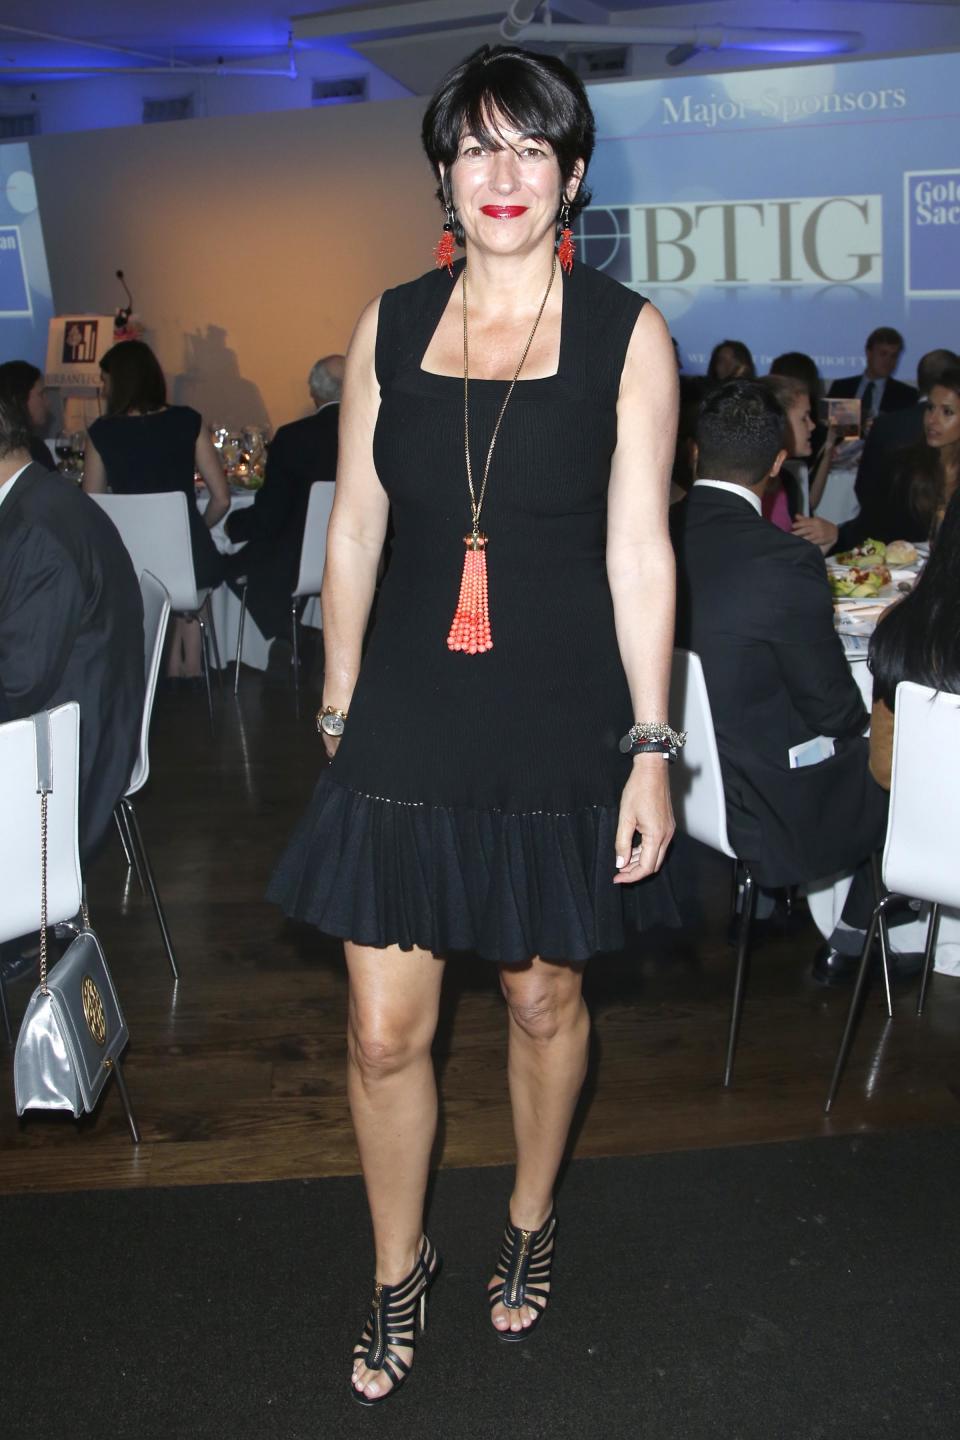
x,y
866,400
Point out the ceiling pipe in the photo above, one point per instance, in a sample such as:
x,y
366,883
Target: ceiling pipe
x,y
226,72
727,37
85,44
517,18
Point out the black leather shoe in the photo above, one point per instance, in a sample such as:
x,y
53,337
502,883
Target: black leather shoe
x,y
830,967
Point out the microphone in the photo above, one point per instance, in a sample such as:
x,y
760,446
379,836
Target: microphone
x,y
123,315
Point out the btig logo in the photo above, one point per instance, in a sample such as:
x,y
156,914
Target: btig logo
x,y
931,239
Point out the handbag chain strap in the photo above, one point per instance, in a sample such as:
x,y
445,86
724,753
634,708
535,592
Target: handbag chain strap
x,y
43,892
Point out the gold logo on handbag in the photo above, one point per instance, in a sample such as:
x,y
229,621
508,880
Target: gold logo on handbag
x,y
93,1011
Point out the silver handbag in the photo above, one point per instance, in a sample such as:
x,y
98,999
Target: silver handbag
x,y
73,1032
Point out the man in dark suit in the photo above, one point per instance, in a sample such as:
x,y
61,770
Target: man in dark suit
x,y
299,454
754,604
891,432
876,389
71,621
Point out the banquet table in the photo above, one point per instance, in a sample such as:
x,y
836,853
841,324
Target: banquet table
x,y
855,624
225,605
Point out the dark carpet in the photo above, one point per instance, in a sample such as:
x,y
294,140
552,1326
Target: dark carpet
x,y
795,1290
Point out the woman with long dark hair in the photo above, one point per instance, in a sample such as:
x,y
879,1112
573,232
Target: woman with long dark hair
x,y
928,474
142,446
918,639
498,784
731,360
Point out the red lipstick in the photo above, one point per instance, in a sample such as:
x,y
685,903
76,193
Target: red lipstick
x,y
504,212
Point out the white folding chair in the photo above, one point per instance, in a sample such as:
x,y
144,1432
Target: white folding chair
x,y
20,830
156,613
700,810
156,532
313,556
921,856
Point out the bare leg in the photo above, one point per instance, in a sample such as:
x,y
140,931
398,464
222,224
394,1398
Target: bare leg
x,y
394,1002
175,650
549,1031
191,640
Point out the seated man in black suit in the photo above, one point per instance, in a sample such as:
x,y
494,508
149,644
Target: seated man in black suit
x,y
754,604
71,623
876,389
891,432
299,454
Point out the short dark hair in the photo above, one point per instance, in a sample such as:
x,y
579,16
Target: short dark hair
x,y
884,335
741,353
929,369
537,95
740,432
17,379
136,380
14,425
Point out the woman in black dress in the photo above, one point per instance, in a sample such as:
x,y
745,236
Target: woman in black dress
x,y
142,446
478,798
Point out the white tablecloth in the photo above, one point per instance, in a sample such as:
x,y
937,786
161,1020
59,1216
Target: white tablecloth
x,y
226,606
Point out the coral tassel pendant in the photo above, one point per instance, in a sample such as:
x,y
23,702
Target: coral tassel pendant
x,y
470,631
566,250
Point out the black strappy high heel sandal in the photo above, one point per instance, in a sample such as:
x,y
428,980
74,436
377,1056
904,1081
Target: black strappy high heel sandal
x,y
524,1264
396,1314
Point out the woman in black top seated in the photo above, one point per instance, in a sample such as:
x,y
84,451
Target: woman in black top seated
x,y
918,639
143,446
927,475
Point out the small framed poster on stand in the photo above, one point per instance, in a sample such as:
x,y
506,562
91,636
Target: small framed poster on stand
x,y
75,346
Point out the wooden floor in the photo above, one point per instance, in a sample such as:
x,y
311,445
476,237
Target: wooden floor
x,y
237,1071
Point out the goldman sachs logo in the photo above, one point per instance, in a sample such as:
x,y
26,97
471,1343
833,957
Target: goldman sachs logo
x,y
808,240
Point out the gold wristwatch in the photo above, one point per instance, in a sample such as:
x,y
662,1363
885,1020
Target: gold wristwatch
x,y
330,721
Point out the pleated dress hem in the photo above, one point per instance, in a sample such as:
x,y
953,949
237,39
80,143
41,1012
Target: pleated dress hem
x,y
506,886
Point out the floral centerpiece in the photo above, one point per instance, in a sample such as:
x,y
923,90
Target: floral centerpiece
x,y
243,455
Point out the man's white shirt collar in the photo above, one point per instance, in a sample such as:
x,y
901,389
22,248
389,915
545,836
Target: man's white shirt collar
x,y
8,485
740,490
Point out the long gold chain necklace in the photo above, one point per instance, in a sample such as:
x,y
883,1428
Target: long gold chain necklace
x,y
470,630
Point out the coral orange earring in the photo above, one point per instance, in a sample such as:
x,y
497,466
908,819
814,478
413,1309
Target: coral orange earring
x,y
565,246
444,248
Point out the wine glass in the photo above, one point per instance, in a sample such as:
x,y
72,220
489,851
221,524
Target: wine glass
x,y
62,446
78,445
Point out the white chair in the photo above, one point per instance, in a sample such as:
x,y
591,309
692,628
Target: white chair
x,y
20,830
921,856
156,613
156,532
699,806
313,556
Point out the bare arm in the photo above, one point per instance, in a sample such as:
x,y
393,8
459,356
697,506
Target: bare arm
x,y
208,463
819,478
358,523
94,474
640,569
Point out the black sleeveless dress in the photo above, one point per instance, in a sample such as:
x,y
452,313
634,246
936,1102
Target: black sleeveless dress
x,y
473,801
147,454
